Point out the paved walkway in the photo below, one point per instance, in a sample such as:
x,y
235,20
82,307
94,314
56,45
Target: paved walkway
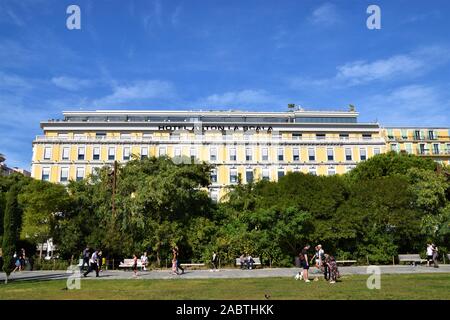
x,y
222,274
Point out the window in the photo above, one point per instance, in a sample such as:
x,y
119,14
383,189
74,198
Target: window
x,y
63,136
265,154
96,153
162,151
125,136
144,153
80,174
343,136
295,155
417,135
296,136
280,174
248,154
79,136
100,135
448,148
311,154
233,176
265,174
126,154
378,151
362,154
313,171
394,147
81,151
214,195
177,152
408,148
45,174
65,153
404,134
431,135
330,154
367,136
193,154
331,171
111,153
422,148
47,153
174,136
320,136
214,175
435,148
232,154
147,136
280,154
348,154
213,154
249,176
64,176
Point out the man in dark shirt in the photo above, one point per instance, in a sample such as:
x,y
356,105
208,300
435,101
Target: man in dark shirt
x,y
86,255
304,262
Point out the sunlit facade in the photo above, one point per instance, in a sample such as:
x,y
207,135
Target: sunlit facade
x,y
240,145
428,142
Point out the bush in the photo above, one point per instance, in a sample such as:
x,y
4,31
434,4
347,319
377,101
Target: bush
x,y
55,264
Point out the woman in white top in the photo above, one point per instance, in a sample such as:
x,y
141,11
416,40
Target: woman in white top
x,y
144,261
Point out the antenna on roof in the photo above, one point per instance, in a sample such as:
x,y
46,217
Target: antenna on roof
x,y
351,108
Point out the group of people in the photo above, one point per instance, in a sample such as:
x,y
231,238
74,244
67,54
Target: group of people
x,y
246,261
324,262
432,255
20,260
94,261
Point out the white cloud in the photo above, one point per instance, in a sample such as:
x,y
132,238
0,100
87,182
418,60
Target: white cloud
x,y
359,72
72,84
139,91
410,105
325,15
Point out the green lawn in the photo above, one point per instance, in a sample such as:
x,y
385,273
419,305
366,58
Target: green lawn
x,y
418,286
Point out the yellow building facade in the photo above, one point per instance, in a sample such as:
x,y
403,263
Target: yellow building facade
x,y
245,145
431,143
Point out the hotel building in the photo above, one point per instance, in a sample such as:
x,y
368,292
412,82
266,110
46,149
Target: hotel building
x,y
245,145
431,143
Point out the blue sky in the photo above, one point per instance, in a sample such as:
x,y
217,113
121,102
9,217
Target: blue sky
x,y
234,54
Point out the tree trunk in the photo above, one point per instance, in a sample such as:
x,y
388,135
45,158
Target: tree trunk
x,y
6,279
158,260
40,251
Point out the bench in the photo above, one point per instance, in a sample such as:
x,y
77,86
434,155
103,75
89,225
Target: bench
x,y
128,263
257,262
345,261
413,258
187,265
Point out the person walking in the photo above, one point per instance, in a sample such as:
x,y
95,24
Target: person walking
x,y
304,262
177,253
174,262
100,261
135,262
144,261
435,255
429,254
334,272
214,261
93,264
85,257
319,256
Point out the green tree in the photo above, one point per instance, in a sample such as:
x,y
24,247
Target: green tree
x,y
43,203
